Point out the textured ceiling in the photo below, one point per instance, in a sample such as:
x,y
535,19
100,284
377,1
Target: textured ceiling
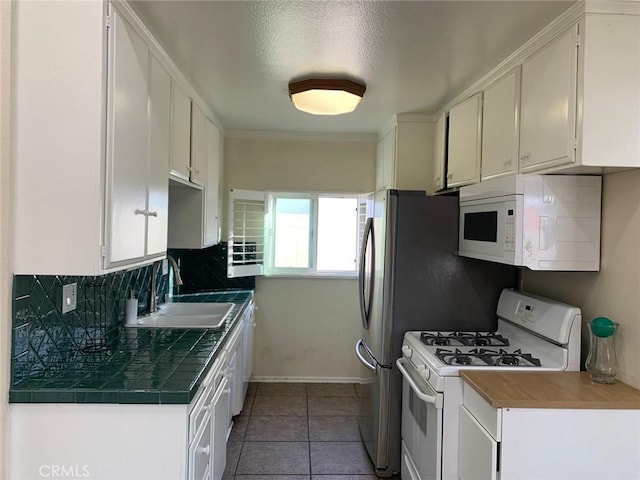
x,y
413,56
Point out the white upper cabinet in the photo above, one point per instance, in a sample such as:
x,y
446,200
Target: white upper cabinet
x,y
404,153
212,191
439,152
548,104
574,108
194,216
500,127
86,180
465,127
127,142
385,160
180,132
580,98
159,153
199,146
92,160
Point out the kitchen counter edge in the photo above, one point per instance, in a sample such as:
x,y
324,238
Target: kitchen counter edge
x,y
571,390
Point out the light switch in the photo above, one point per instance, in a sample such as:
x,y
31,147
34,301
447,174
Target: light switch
x,y
69,297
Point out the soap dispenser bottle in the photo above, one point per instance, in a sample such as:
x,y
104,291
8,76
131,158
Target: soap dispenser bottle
x,y
131,311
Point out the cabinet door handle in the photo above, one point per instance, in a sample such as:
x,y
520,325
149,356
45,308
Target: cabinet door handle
x,y
506,162
206,408
449,176
524,156
140,212
152,214
205,450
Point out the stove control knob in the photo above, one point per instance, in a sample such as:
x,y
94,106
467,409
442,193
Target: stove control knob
x,y
424,372
406,351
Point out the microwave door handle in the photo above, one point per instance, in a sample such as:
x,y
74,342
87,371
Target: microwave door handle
x,y
370,366
434,399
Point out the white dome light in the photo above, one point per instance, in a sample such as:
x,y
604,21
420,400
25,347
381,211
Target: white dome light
x,y
326,96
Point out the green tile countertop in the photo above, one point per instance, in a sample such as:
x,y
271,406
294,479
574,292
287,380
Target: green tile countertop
x,y
144,366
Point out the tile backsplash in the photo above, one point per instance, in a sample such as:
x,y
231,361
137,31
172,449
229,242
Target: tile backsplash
x,y
206,269
46,341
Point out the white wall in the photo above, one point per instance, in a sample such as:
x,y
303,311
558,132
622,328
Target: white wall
x,y
614,292
5,219
306,328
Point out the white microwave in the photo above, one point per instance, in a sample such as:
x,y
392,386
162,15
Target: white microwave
x,y
543,222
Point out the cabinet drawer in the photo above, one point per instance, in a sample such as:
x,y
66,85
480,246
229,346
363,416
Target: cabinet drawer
x,y
200,412
200,451
489,417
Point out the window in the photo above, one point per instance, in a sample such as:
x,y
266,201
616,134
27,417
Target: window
x,y
312,234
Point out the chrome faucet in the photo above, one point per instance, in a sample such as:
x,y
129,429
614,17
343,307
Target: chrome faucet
x,y
177,281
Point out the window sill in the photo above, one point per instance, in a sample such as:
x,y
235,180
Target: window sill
x,y
319,276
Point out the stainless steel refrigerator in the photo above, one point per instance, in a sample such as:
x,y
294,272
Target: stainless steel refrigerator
x,y
412,279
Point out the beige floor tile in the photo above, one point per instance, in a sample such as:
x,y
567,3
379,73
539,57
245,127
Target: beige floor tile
x,y
333,429
277,429
331,390
279,405
274,458
330,406
340,458
286,389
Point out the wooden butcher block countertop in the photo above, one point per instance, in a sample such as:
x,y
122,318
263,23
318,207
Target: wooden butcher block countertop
x,y
550,390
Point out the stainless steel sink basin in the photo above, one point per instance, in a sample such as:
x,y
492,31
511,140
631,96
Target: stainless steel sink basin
x,y
187,315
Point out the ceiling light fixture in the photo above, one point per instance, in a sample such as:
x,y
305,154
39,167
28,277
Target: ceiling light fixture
x,y
320,96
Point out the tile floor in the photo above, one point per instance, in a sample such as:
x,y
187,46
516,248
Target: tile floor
x,y
297,431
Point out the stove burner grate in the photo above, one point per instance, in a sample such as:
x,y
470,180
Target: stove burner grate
x,y
469,339
488,357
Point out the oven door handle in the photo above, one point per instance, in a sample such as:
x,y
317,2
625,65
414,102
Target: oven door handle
x,y
434,399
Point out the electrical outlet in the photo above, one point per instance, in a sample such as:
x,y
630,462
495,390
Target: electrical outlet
x,y
69,297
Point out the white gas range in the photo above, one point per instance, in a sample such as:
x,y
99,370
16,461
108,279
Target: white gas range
x,y
534,333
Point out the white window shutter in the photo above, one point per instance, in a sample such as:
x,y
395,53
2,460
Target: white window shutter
x,y
245,248
362,221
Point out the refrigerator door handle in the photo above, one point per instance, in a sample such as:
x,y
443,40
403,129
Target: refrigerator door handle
x,y
366,284
370,366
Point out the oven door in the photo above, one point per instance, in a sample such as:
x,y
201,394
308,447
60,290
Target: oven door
x,y
421,426
491,229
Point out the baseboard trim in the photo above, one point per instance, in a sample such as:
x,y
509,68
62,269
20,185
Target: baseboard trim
x,y
263,379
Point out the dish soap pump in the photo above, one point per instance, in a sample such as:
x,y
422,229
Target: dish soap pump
x,y
601,363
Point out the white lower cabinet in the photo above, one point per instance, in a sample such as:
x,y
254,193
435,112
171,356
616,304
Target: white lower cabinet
x,y
234,354
240,355
249,325
220,409
123,442
545,443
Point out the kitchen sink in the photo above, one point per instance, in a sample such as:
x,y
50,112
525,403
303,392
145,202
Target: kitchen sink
x,y
187,315
171,309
